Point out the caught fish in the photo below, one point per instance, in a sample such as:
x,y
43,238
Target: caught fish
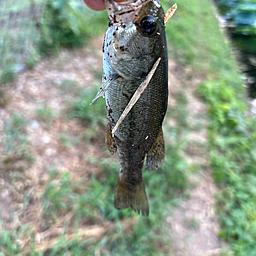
x,y
135,86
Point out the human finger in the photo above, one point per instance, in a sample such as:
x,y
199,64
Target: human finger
x,y
98,5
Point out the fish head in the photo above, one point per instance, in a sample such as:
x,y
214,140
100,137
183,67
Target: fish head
x,y
127,11
136,35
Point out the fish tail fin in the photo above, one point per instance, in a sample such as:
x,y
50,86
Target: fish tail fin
x,y
133,196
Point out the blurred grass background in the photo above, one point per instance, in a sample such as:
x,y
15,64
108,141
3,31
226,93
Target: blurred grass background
x,y
194,41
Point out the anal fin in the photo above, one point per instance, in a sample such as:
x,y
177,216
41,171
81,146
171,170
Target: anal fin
x,y
155,156
109,141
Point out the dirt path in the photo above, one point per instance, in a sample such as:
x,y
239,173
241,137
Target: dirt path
x,y
193,226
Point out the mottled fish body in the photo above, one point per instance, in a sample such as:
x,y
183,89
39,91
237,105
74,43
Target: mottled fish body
x,y
134,41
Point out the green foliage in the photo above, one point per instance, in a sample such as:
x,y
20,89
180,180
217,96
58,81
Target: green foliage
x,y
69,141
66,23
191,223
62,25
241,13
232,136
86,113
206,52
231,131
45,114
10,240
15,140
8,75
58,194
32,59
93,198
7,246
62,195
181,110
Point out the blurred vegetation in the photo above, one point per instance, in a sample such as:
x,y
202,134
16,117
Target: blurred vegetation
x,y
146,236
232,138
86,113
232,132
45,114
15,141
240,14
240,19
91,199
67,23
194,41
8,76
61,23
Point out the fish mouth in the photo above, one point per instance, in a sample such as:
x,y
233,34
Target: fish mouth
x,y
126,11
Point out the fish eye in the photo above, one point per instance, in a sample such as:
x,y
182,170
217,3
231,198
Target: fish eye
x,y
148,25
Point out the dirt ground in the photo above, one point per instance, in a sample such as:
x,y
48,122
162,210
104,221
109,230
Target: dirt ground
x,y
193,225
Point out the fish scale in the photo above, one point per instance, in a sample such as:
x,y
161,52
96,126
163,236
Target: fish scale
x,y
133,43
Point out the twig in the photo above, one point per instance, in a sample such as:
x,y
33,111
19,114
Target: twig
x,y
18,196
170,13
136,95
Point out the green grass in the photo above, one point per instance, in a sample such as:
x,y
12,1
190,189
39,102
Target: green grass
x,y
69,141
8,76
232,138
46,114
164,187
86,113
9,240
182,112
92,199
17,47
196,41
191,223
15,140
17,158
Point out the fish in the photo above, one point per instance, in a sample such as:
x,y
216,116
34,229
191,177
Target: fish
x,y
135,56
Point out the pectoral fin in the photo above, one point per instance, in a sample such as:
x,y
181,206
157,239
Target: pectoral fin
x,y
109,141
155,156
103,88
